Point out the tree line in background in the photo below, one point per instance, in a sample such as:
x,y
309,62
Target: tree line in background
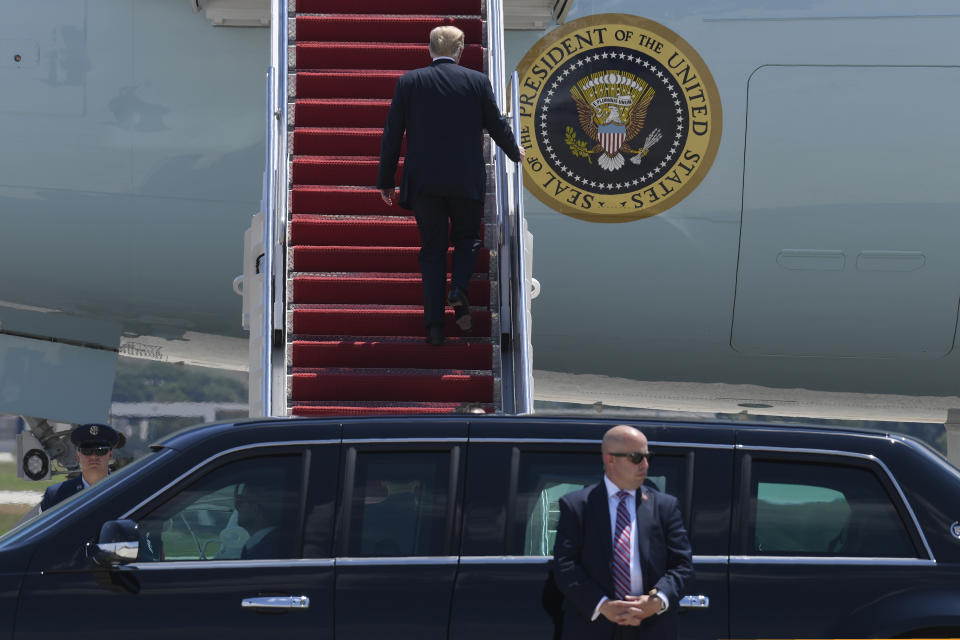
x,y
147,381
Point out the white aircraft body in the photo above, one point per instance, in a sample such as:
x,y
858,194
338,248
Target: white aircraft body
x,y
132,160
815,254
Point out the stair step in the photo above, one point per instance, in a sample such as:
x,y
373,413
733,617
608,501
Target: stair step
x,y
395,259
391,386
374,55
347,83
384,289
323,112
374,28
313,230
338,170
307,199
354,292
363,321
316,409
382,353
341,141
388,7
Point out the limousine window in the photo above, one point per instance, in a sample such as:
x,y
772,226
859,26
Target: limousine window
x,y
816,509
545,477
247,509
399,504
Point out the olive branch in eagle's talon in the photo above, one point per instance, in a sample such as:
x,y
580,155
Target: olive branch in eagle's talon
x,y
577,147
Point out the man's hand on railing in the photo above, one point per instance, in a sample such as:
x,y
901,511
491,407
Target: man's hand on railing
x,y
523,154
387,194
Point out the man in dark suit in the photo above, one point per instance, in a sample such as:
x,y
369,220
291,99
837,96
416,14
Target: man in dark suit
x,y
444,109
622,556
95,444
260,511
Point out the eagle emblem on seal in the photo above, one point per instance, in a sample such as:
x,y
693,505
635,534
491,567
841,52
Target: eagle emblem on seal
x,y
612,108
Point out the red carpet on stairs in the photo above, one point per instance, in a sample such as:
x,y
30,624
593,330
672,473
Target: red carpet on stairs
x,y
354,299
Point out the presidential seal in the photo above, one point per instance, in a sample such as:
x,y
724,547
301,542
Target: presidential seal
x,y
620,118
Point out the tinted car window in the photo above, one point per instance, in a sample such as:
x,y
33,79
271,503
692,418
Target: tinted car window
x,y
824,510
247,509
399,504
545,477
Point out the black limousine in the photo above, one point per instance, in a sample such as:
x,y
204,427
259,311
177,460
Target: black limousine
x,y
443,527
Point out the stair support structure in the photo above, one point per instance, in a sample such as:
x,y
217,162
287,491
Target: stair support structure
x,y
344,334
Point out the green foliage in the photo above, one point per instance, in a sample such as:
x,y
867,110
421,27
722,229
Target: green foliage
x,y
10,482
10,515
577,147
147,381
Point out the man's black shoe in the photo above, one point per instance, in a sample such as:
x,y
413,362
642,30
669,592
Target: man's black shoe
x,y
461,309
435,335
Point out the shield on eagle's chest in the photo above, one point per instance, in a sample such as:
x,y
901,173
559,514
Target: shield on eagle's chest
x,y
611,137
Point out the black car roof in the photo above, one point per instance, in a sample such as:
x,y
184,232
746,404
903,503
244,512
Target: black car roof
x,y
254,430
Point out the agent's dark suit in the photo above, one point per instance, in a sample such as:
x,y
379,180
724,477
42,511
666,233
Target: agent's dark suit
x,y
59,492
444,110
582,561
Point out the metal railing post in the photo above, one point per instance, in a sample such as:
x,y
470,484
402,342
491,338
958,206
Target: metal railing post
x,y
523,371
275,205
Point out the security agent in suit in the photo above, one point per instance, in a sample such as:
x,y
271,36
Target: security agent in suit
x,y
616,586
95,444
444,109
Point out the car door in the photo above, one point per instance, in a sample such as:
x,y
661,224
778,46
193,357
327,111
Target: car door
x,y
825,543
398,530
218,545
516,475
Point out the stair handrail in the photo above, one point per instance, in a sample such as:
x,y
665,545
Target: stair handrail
x,y
498,80
516,360
522,348
502,254
274,196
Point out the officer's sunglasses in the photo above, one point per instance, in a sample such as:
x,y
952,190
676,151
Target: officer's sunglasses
x,y
95,451
636,457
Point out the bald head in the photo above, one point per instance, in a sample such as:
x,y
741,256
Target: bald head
x,y
624,439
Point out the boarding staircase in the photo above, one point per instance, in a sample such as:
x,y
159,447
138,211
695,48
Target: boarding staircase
x,y
338,327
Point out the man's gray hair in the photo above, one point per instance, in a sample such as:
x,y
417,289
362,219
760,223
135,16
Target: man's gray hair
x,y
446,40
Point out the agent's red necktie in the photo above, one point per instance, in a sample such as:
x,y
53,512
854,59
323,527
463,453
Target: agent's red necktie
x,y
621,549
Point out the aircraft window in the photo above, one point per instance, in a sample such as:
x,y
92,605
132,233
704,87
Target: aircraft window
x,y
546,477
399,504
243,510
824,510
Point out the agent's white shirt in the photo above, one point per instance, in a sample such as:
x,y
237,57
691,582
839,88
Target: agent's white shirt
x,y
636,574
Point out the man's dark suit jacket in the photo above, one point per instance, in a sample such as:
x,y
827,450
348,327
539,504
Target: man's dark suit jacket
x,y
59,492
444,109
583,554
273,545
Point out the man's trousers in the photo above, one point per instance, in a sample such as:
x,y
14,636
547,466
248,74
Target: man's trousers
x,y
464,219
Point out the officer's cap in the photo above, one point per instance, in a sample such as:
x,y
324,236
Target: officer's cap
x,y
96,435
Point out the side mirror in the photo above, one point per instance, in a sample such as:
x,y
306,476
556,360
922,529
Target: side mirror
x,y
119,543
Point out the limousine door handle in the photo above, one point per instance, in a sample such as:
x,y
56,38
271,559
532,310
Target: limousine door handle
x,y
275,603
695,602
